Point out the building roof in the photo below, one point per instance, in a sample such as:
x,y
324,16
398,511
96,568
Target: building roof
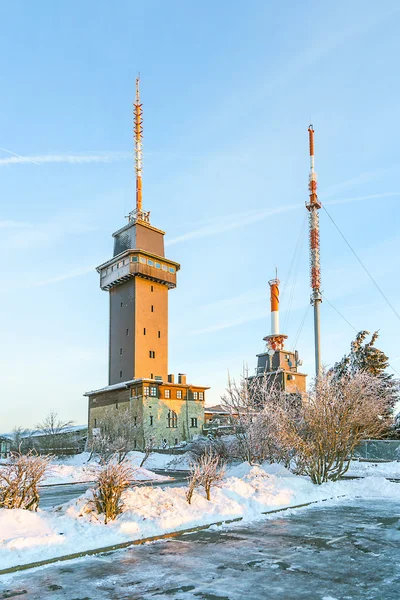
x,y
217,409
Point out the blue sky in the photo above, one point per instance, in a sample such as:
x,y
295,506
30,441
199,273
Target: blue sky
x,y
228,90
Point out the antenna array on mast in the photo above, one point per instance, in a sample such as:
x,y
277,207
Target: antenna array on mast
x,y
138,214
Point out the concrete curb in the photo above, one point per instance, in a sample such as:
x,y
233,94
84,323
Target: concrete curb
x,y
141,541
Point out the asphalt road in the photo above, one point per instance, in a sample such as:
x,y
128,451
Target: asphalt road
x,y
350,551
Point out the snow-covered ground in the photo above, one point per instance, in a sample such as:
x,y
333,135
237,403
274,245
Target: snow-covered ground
x,y
74,469
375,469
246,492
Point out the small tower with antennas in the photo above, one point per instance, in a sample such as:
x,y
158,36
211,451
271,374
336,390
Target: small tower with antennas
x,y
278,365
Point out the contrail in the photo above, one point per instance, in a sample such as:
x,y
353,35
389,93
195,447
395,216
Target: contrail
x,y
19,156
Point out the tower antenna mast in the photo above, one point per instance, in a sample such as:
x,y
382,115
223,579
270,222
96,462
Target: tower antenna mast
x,y
313,207
138,214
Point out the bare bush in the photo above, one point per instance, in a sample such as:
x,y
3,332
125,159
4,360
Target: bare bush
x,y
19,480
117,431
194,480
147,451
322,432
112,479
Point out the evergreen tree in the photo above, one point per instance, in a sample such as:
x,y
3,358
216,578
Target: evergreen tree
x,y
365,357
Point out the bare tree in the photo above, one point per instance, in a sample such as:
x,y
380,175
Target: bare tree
x,y
112,479
149,447
322,431
117,431
22,440
55,436
19,480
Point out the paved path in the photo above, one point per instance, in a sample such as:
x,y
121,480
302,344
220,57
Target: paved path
x,y
347,552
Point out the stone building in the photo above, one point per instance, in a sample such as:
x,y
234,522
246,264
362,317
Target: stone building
x,y
138,278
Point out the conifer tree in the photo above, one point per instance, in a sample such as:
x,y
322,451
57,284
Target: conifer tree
x,y
365,357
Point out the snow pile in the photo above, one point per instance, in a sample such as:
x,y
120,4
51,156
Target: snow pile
x,y
76,469
246,492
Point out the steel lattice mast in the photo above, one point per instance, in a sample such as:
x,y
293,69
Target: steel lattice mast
x,y
313,207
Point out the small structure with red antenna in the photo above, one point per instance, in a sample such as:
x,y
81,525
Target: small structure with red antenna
x,y
313,207
275,340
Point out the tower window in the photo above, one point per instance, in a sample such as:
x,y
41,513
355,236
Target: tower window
x,y
95,422
142,260
171,270
193,422
127,332
120,351
152,354
144,330
164,268
150,262
152,308
120,373
159,334
152,288
134,443
134,259
135,421
179,393
122,304
158,265
151,419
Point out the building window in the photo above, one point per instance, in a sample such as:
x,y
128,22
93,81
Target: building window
x,y
116,404
158,265
172,419
151,419
152,354
171,270
193,422
120,373
134,443
152,308
164,268
167,394
126,261
201,395
146,390
195,395
122,304
159,334
95,422
179,393
153,391
152,288
150,262
120,264
142,260
176,441
144,330
134,259
135,421
120,351
127,332
151,376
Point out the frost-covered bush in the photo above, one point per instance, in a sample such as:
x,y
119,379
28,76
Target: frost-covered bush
x,y
19,480
112,479
208,471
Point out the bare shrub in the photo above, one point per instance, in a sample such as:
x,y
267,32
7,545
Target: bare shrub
x,y
147,451
19,480
194,481
117,431
323,431
112,479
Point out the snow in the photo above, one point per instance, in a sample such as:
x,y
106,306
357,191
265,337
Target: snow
x,y
379,469
76,469
246,492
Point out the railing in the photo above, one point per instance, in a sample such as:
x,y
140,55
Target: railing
x,y
378,450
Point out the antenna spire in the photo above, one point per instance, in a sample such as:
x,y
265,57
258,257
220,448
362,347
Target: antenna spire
x,y
315,263
138,214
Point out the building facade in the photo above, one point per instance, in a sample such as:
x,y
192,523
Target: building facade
x,y
138,279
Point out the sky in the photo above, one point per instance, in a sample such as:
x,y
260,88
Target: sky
x,y
228,91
